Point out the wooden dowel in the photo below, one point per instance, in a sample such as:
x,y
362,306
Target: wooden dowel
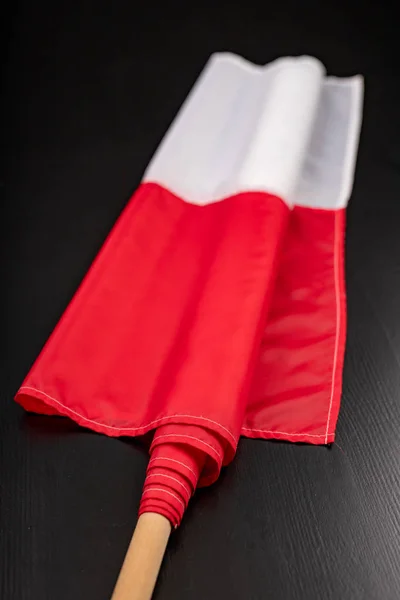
x,y
143,560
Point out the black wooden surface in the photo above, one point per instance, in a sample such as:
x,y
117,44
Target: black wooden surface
x,y
88,91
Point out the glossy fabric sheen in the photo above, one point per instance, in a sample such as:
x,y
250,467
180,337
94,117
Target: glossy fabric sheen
x,y
202,323
297,384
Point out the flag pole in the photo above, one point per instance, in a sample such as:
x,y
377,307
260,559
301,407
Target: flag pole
x,y
143,559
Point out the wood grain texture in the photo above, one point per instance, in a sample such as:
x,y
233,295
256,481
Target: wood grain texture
x,y
87,95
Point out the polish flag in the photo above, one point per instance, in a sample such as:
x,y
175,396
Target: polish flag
x,y
216,306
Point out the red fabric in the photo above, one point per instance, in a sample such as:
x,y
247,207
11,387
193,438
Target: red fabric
x,y
297,385
202,323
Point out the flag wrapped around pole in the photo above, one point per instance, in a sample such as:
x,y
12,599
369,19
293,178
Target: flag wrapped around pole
x,y
216,307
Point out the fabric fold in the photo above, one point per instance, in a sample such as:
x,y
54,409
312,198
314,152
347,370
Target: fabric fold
x,y
182,458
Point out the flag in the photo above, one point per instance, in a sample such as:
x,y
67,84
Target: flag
x,y
216,306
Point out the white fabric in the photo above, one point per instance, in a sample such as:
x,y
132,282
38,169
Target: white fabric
x,y
285,128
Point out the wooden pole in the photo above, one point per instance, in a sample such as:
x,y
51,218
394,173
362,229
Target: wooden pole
x,y
143,560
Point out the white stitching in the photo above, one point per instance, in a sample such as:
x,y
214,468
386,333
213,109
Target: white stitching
x,y
338,318
173,479
164,492
190,437
27,387
284,432
175,461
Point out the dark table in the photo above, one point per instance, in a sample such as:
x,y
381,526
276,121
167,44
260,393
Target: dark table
x,y
89,89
